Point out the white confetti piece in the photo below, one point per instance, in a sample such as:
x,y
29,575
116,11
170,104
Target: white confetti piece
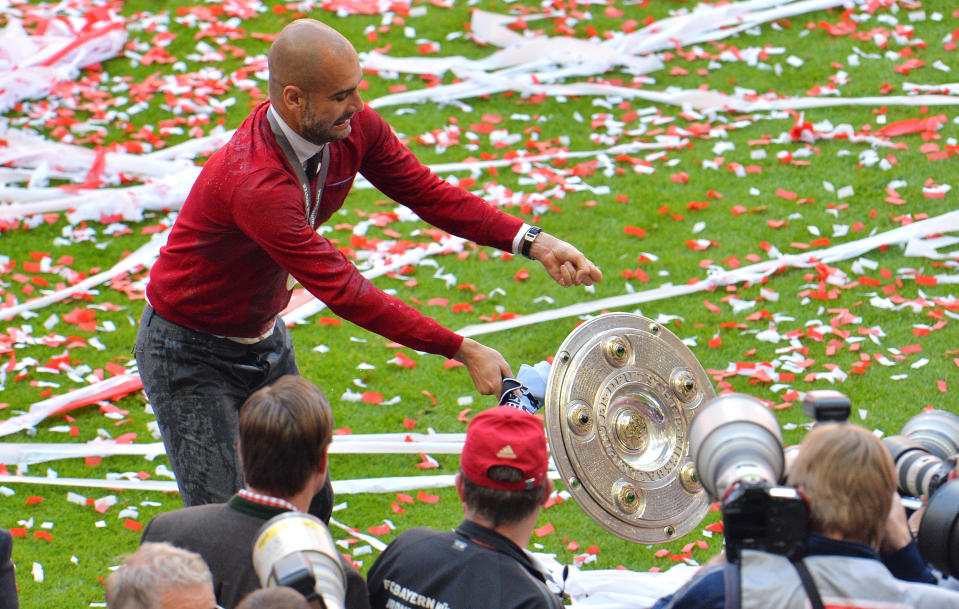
x,y
351,396
37,572
465,400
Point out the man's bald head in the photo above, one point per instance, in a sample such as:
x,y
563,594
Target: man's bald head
x,y
314,79
302,52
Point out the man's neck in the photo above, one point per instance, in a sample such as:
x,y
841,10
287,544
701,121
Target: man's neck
x,y
519,532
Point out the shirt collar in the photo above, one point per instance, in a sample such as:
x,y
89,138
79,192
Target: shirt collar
x,y
303,148
820,544
267,500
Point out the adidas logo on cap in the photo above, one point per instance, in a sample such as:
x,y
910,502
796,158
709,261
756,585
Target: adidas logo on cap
x,y
506,452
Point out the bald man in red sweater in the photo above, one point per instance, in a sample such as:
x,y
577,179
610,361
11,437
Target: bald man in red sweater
x,y
247,233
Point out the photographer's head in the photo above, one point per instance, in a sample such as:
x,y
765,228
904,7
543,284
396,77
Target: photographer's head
x,y
848,479
161,576
502,477
285,432
279,597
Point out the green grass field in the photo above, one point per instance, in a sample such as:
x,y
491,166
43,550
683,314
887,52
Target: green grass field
x,y
880,327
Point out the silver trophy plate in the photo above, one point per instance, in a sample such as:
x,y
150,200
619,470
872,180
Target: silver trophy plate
x,y
621,393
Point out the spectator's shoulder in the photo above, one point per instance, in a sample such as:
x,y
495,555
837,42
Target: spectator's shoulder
x,y
168,526
704,591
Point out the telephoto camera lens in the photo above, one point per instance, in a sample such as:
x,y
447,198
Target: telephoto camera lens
x,y
920,452
296,550
736,438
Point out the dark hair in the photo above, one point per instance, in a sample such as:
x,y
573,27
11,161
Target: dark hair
x,y
278,597
499,506
284,431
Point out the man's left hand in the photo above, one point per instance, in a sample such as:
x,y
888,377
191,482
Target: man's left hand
x,y
564,263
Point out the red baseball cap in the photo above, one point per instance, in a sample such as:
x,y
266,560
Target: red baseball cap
x,y
505,436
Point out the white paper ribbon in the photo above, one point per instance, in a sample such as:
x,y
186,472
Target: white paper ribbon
x,y
752,273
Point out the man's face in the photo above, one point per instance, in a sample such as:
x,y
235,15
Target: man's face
x,y
191,597
329,108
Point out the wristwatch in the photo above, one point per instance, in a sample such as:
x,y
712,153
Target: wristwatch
x,y
528,239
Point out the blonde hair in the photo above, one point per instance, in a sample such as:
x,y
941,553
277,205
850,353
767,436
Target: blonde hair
x,y
848,478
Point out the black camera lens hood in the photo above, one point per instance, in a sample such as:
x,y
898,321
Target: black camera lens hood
x,y
939,529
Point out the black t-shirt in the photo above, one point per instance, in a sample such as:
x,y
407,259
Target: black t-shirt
x,y
470,568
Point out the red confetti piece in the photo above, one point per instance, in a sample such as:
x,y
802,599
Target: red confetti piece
x,y
18,531
572,546
329,321
464,415
404,498
42,535
403,361
372,397
786,194
594,550
397,508
661,553
427,498
382,529
544,530
34,500
521,275
634,231
430,396
941,385
133,525
409,423
427,462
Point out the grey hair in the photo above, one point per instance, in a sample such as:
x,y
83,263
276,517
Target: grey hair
x,y
152,569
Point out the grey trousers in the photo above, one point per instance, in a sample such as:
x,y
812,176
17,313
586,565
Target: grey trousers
x,y
196,383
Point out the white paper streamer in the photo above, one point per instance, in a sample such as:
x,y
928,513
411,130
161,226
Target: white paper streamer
x,y
392,484
41,410
373,541
144,255
31,453
615,588
753,273
31,66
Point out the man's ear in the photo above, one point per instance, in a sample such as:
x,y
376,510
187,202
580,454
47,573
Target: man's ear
x,y
459,485
322,468
549,491
293,97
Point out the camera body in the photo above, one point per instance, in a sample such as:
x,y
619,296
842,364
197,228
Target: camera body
x,y
760,516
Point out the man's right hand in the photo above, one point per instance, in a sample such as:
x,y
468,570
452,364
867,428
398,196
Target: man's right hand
x,y
486,366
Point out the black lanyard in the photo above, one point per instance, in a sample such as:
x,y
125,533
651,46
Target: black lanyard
x,y
311,204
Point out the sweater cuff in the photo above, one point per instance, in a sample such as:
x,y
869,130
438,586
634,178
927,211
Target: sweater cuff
x,y
518,239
